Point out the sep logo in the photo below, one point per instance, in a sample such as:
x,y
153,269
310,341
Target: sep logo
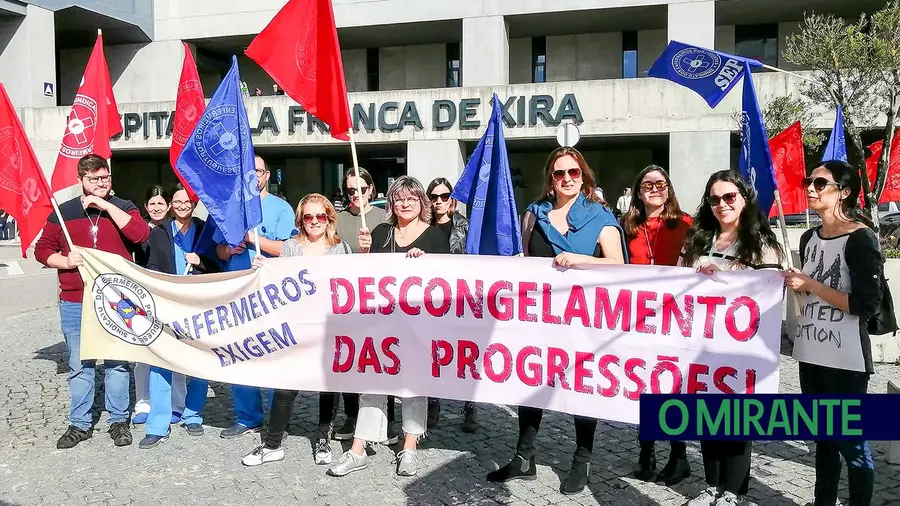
x,y
696,63
484,174
126,309
219,134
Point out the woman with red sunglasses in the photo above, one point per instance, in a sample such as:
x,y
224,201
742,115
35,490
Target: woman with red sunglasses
x,y
655,227
316,220
729,233
575,228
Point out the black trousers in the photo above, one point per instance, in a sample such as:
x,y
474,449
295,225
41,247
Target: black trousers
x,y
816,379
530,423
351,405
283,409
727,465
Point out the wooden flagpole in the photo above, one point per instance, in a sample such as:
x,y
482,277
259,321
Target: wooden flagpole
x,y
362,213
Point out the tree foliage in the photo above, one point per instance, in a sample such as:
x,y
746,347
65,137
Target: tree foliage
x,y
857,65
786,110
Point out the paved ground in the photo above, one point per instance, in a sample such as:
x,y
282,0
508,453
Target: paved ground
x,y
207,470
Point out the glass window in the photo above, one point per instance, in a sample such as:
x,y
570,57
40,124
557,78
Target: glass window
x,y
757,41
539,59
629,55
372,63
454,78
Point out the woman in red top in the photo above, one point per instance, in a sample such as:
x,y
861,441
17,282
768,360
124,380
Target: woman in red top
x,y
655,228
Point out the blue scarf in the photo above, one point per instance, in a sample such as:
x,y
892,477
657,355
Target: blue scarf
x,y
586,219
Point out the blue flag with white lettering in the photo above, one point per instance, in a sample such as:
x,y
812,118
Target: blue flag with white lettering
x,y
711,74
486,188
755,162
837,143
218,162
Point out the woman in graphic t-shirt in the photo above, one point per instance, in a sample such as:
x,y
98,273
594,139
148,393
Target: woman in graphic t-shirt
x,y
729,233
655,227
841,274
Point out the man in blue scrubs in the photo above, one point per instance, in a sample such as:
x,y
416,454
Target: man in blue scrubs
x,y
277,226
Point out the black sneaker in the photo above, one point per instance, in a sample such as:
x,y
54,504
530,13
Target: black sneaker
x,y
120,434
194,429
393,435
151,441
470,424
72,437
517,468
345,433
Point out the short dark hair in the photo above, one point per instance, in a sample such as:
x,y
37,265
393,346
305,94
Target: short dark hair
x,y
363,174
177,188
91,163
156,191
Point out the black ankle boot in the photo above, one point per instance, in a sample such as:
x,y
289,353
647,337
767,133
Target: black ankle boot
x,y
677,468
470,424
646,462
518,468
579,475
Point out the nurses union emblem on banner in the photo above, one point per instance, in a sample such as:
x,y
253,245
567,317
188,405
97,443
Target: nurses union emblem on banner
x,y
696,63
189,107
219,136
10,160
126,309
306,53
79,138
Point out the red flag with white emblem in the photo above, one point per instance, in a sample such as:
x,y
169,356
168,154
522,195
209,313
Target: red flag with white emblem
x,y
188,110
94,118
299,49
23,189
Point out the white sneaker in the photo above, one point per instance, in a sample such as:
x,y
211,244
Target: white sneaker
x,y
347,463
408,463
730,499
706,498
323,452
260,455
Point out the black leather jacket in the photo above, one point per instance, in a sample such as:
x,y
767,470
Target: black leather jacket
x,y
458,233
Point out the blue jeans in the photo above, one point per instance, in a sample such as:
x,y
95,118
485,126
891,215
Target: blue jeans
x,y
160,416
248,404
116,377
194,401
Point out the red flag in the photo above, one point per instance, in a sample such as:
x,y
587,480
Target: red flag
x,y
299,49
188,110
790,169
23,189
94,118
891,192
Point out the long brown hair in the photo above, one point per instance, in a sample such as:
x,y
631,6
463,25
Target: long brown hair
x,y
331,236
637,215
587,175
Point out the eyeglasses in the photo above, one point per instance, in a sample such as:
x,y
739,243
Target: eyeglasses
x,y
352,190
443,197
181,203
98,179
409,201
321,218
574,173
649,186
260,172
715,200
819,183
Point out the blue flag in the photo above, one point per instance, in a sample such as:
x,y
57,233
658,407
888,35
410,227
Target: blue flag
x,y
486,188
756,160
837,143
218,162
709,73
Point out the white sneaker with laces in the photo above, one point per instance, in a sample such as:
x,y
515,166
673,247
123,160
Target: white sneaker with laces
x,y
730,499
347,463
706,498
260,455
408,463
323,452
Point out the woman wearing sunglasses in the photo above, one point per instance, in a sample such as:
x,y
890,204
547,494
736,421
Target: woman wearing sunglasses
x,y
571,225
841,273
729,233
655,227
456,227
316,220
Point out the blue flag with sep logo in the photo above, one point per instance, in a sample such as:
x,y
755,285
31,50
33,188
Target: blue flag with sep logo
x,y
755,162
837,143
486,188
711,74
218,162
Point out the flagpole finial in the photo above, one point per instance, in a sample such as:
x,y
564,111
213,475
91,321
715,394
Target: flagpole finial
x,y
99,32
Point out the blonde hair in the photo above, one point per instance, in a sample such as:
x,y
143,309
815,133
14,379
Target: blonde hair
x,y
412,186
331,236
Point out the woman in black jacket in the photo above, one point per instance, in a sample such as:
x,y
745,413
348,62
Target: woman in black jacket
x,y
172,249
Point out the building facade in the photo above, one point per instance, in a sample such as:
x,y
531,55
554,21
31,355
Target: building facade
x,y
421,76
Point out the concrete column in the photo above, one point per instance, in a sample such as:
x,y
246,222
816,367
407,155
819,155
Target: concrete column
x,y
485,51
302,176
693,156
426,160
28,60
693,23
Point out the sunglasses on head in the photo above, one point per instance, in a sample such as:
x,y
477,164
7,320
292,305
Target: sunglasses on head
x,y
648,186
321,218
728,198
352,190
443,197
574,173
819,183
